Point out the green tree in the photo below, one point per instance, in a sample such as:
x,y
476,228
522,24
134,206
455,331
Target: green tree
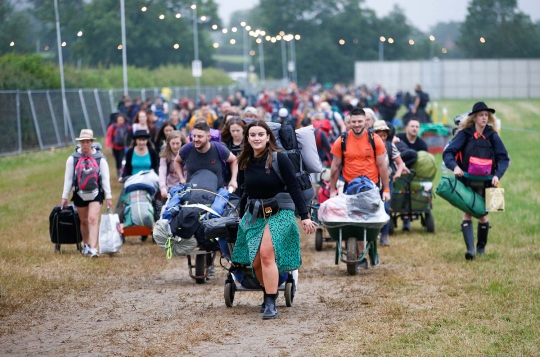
x,y
507,32
11,30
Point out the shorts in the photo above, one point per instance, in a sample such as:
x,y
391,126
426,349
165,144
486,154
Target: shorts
x,y
79,202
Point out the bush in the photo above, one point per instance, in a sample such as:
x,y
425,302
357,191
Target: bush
x,y
27,72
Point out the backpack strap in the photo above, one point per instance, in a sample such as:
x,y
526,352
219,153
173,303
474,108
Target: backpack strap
x,y
275,166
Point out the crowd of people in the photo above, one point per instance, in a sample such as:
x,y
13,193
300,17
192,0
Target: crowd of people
x,y
230,136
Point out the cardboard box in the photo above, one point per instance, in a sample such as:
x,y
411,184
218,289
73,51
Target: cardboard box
x,y
494,199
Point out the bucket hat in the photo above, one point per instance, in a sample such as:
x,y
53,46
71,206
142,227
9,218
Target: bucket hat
x,y
380,125
86,134
480,106
141,134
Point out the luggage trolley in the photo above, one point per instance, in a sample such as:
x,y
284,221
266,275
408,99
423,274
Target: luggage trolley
x,y
239,277
412,197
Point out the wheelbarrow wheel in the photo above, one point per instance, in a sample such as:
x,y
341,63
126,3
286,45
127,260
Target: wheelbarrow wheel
x,y
352,255
228,293
319,240
430,223
200,267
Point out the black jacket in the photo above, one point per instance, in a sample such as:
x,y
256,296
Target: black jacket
x,y
128,169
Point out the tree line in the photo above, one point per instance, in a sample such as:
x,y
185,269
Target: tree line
x,y
334,34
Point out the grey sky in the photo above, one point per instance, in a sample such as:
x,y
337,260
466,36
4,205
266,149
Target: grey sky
x,y
421,13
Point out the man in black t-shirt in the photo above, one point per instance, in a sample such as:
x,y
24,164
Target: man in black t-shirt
x,y
204,154
410,137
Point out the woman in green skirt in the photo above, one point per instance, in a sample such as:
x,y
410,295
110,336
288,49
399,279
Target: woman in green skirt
x,y
268,236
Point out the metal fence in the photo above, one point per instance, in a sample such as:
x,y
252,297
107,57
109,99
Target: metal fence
x,y
34,120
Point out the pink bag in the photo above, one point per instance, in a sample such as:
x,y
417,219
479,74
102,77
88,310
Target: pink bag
x,y
480,167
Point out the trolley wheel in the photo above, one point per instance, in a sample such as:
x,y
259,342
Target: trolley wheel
x,y
79,247
290,289
391,227
57,248
430,222
228,293
200,267
319,240
352,255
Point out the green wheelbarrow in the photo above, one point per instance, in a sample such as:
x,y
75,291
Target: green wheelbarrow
x,y
347,239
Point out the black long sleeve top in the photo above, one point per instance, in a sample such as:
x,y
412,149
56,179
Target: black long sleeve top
x,y
262,184
154,158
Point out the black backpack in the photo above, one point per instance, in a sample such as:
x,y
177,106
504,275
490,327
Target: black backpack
x,y
477,158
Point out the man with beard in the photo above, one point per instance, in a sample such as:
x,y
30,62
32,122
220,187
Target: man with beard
x,y
206,155
364,154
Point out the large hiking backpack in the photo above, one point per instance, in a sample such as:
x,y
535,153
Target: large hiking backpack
x,y
138,210
408,155
300,148
119,135
478,156
87,174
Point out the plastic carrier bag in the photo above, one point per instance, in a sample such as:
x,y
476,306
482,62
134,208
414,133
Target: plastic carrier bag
x,y
110,240
365,209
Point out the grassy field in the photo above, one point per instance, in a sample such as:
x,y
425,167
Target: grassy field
x,y
427,300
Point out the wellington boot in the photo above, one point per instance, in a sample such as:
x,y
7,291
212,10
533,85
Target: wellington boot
x,y
483,230
468,236
270,311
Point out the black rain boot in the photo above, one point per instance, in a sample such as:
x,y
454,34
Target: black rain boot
x,y
270,311
483,230
468,236
264,299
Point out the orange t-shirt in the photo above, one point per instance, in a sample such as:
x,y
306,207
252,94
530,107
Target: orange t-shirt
x,y
359,158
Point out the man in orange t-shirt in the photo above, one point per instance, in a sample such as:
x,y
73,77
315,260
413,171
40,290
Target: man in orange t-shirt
x,y
359,158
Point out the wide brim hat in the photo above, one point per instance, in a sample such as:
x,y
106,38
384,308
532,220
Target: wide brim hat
x,y
380,125
481,106
86,134
141,134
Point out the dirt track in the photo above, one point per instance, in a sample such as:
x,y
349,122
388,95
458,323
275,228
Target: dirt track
x,y
166,314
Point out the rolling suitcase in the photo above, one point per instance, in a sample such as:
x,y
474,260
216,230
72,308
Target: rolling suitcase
x,y
65,227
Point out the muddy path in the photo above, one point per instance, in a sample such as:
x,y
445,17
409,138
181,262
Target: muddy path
x,y
164,313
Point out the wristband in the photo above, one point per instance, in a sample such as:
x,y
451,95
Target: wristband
x,y
386,191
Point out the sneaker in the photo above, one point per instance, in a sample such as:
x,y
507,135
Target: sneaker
x,y
86,250
406,225
212,271
384,240
93,253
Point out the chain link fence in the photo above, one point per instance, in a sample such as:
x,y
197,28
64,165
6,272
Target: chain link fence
x,y
34,120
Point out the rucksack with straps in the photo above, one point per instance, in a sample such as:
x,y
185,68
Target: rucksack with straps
x,y
303,181
87,174
478,156
220,148
119,137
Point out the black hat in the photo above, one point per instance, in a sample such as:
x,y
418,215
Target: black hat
x,y
480,106
141,134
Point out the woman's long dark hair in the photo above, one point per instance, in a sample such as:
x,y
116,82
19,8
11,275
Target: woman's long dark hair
x,y
247,151
226,131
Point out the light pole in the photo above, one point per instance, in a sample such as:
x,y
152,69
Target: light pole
x,y
381,48
283,56
196,66
261,60
61,63
124,48
245,48
432,46
292,53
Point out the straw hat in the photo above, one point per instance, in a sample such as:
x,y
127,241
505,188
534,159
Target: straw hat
x,y
86,134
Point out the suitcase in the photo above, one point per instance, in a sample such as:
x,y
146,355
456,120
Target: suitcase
x,y
65,227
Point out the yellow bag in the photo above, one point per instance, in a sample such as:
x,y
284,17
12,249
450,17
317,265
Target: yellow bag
x,y
494,199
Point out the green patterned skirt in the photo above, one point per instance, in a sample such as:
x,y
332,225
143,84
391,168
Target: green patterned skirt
x,y
285,238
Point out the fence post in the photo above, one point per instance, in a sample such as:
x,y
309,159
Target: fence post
x,y
143,95
19,130
53,116
100,112
111,99
85,112
34,117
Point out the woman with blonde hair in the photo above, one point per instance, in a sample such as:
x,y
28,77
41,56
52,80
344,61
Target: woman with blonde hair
x,y
167,176
479,159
